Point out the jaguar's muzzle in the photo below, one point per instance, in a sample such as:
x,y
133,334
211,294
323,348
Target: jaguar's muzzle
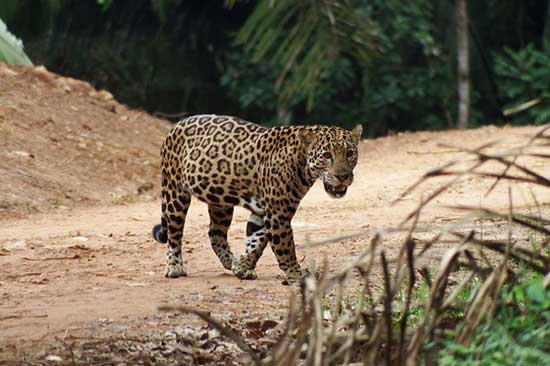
x,y
338,191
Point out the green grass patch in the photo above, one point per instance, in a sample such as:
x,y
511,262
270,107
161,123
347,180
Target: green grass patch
x,y
518,334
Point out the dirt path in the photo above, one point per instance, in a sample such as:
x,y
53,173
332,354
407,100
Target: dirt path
x,y
90,270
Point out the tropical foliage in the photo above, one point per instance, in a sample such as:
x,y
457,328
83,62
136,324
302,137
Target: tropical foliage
x,y
11,48
524,77
393,62
517,335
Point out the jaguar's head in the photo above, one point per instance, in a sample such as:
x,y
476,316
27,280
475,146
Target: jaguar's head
x,y
332,156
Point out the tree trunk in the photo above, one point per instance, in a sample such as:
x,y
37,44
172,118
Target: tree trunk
x,y
546,34
463,64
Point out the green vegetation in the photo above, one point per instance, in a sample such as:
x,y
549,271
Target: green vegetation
x,y
524,77
11,48
517,335
391,64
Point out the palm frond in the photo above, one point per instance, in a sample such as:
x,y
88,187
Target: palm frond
x,y
11,48
304,39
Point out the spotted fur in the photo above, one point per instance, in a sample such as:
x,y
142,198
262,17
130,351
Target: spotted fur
x,y
226,162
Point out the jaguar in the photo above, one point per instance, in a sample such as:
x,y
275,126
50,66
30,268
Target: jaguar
x,y
226,162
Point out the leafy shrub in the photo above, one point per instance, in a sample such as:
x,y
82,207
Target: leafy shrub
x,y
519,334
524,75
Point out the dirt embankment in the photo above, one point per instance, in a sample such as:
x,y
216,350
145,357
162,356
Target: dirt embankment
x,y
63,144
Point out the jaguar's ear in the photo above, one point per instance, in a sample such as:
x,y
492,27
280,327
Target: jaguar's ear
x,y
307,137
357,132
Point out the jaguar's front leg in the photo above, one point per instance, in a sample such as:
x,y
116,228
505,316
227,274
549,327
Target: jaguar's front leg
x,y
279,233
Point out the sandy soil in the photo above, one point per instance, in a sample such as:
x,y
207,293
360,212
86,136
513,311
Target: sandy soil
x,y
89,267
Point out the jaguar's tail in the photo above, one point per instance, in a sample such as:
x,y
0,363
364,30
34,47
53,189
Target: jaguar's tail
x,y
160,233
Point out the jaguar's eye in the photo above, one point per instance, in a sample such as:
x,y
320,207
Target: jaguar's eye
x,y
350,154
327,155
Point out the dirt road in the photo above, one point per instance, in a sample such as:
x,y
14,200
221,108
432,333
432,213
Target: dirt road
x,y
96,270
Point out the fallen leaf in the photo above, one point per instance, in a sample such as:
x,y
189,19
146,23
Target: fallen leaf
x,y
54,358
19,244
23,154
79,247
40,281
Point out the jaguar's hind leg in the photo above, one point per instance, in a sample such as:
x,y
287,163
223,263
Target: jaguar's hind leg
x,y
177,204
244,266
220,220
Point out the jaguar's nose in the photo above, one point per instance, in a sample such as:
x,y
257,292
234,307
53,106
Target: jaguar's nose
x,y
343,177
